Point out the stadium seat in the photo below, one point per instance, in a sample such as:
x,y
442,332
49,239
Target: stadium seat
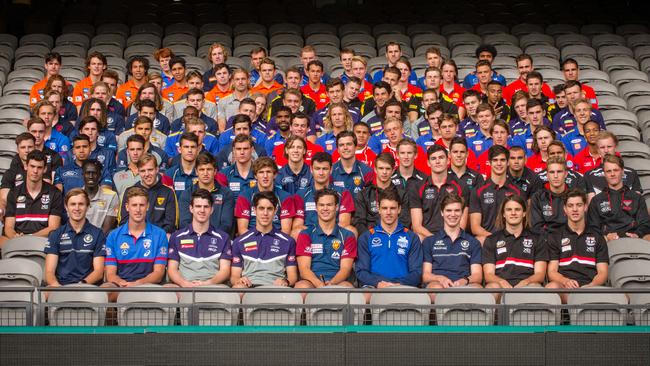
x,y
114,28
464,51
536,39
9,40
10,118
74,39
284,51
285,29
634,273
642,313
542,50
503,62
265,308
139,50
247,39
146,308
630,145
620,118
631,29
20,272
17,87
491,28
323,50
210,38
249,28
323,39
358,38
606,52
244,51
529,314
504,50
181,51
401,39
286,40
464,309
31,50
214,308
641,53
524,29
30,75
35,63
70,51
14,307
460,39
353,28
38,39
15,101
72,75
552,77
448,30
558,29
599,316
610,103
363,50
77,63
596,29
320,314
510,74
143,40
108,40
428,40
640,165
587,62
28,247
577,50
619,63
77,308
400,308
500,39
5,161
216,28
603,88
549,63
607,39
637,40
8,146
151,29
421,28
182,29
572,39
620,77
634,88
107,50
179,39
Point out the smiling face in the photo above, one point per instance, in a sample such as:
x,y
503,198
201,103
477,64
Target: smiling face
x,y
77,207
201,210
513,213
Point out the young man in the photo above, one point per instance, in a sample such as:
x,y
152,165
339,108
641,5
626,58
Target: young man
x,y
359,67
34,207
366,202
127,174
37,128
283,121
264,255
160,126
75,252
70,175
243,123
194,98
571,71
54,140
192,124
103,201
95,66
348,172
265,172
575,140
407,151
459,169
485,201
564,121
89,126
618,211
180,85
334,89
596,179
389,254
295,175
223,202
315,89
239,175
513,256
299,126
589,157
546,213
199,254
258,57
525,66
223,85
163,207
452,257
267,83
494,98
143,126
136,252
363,152
488,53
183,174
425,198
372,115
483,72
393,53
578,255
468,127
52,68
229,106
137,67
325,252
522,176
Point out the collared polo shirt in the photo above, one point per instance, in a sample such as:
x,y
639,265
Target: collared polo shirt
x,y
326,250
263,258
452,259
32,214
514,257
135,257
578,254
199,255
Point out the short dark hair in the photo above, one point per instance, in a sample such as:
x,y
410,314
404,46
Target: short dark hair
x,y
322,157
496,150
282,108
177,60
486,48
267,196
535,75
390,195
135,138
317,63
143,60
52,56
24,137
86,120
346,134
326,192
385,157
569,60
435,148
92,162
201,193
80,137
575,192
189,136
241,118
450,199
36,155
205,158
382,85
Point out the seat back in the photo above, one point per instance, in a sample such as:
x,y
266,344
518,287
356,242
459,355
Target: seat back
x,y
256,313
330,307
642,313
15,307
75,308
595,315
214,308
20,272
414,308
464,309
146,308
28,247
530,315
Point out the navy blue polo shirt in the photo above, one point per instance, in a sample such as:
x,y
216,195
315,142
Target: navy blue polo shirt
x,y
222,207
135,257
452,259
306,202
360,176
76,251
198,255
182,180
71,175
292,182
326,250
231,178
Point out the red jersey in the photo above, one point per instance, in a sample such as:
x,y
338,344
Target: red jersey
x,y
37,92
583,161
174,92
536,164
365,155
365,92
456,94
280,160
318,96
518,85
81,91
215,95
420,162
411,91
477,87
591,95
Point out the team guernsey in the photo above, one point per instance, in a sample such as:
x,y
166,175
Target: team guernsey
x,y
577,254
76,251
199,254
222,207
244,206
428,197
619,211
305,202
326,250
135,257
163,206
547,211
514,257
262,257
452,258
32,214
486,200
359,176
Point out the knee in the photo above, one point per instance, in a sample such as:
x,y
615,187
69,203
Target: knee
x,y
303,284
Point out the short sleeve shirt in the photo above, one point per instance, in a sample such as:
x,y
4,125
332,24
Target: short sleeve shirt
x,y
263,258
199,255
32,214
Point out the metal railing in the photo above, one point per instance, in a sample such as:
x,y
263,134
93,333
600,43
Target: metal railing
x,y
162,306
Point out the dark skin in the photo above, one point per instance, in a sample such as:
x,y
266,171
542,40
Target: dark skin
x,y
92,178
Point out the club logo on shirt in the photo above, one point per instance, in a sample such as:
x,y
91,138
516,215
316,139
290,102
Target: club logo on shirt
x,y
501,243
605,207
357,180
376,242
21,199
88,238
464,245
627,205
565,241
160,200
336,244
488,198
124,248
316,249
146,243
402,242
528,243
547,210
249,247
45,199
590,241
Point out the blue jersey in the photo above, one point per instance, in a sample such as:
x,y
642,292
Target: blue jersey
x,y
318,120
564,121
231,178
254,76
326,250
274,140
471,79
452,259
244,206
224,156
71,175
123,158
413,77
115,122
136,257
160,123
59,143
181,180
395,257
574,142
306,204
228,135
76,251
292,182
172,144
479,143
328,142
210,124
468,127
222,207
360,176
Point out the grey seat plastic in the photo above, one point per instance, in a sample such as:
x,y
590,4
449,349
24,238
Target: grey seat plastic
x,y
243,51
363,50
606,52
257,40
596,29
620,77
357,38
465,309
642,53
421,28
607,39
630,29
552,77
626,249
319,28
328,310
634,88
107,50
77,308
15,307
387,28
9,40
463,39
28,247
529,315
72,75
15,101
70,51
637,40
17,87
5,161
401,39
571,39
523,29
285,29
502,62
179,39
108,40
598,316
558,29
465,62
6,53
77,63
621,118
603,88
139,50
435,40
467,51
143,40
642,313
20,272
577,50
182,28
39,39
510,74
32,50
630,145
210,38
146,308
505,50
400,308
610,102
498,39
216,28
456,28
12,119
323,39
148,28
286,40
214,308
249,28
491,28
265,308
183,50
196,63
74,39
548,63
114,28
633,273
536,39
353,28
326,51
285,51
30,75
587,62
543,51
422,50
8,147
640,165
619,63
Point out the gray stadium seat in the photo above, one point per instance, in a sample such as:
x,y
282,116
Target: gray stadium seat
x,y
577,50
38,39
456,28
6,52
401,39
620,118
323,50
30,75
323,39
17,87
148,28
414,308
548,63
572,39
10,118
35,63
558,29
630,29
642,314
109,40
422,28
181,28
630,145
544,315
285,29
463,39
286,40
510,74
146,308
606,52
28,247
536,39
243,51
543,50
214,308
14,307
31,50
179,39
70,51
74,39
257,40
183,50
7,146
610,103
285,51
210,38
465,309
358,38
632,273
428,40
596,29
524,29
387,28
619,63
77,308
491,28
607,39
5,161
72,75
257,314
107,50
628,249
216,28
353,28
504,50
322,315
114,28
20,272
597,316
77,63
503,62
9,40
467,51
363,50
249,28
637,40
603,88
587,62
642,53
15,101
552,77
139,50
499,39
143,39
634,88
620,77
640,165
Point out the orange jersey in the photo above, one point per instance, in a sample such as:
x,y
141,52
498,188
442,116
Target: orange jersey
x,y
37,92
174,92
410,92
126,93
81,91
215,95
260,88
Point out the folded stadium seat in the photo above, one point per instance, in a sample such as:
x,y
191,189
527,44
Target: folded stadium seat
x,y
20,272
634,88
363,50
642,311
428,40
72,75
630,145
530,314
577,50
511,74
504,62
17,87
603,88
491,28
536,39
422,28
141,39
611,103
216,28
559,29
353,28
265,308
549,63
249,28
37,39
466,51
291,61
183,51
14,307
11,117
107,50
464,309
114,28
523,29
285,51
333,65
645,65
602,40
323,39
256,40
542,50
644,119
151,29
286,40
77,308
448,30
624,249
328,307
213,308
387,28
645,182
86,29
572,39
631,273
641,53
9,40
280,64
70,51
403,40
31,50
620,117
400,308
596,29
621,77
358,38
605,52
598,316
638,40
498,39
146,308
194,63
73,39
463,72
210,38
115,40
182,28
30,75
77,63
463,39
630,29
28,247
8,146
640,165
5,161
237,62
14,101
418,62
116,63
619,63
139,50
508,50
285,29
181,39
552,77
323,50
6,52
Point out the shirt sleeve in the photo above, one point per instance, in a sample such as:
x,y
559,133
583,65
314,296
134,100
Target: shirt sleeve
x,y
602,253
474,202
554,250
414,276
163,246
10,210
362,265
288,208
299,206
347,203
303,245
488,254
350,247
237,259
541,249
475,255
173,249
111,260
242,208
426,250
291,254
100,245
113,206
56,203
226,253
52,244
